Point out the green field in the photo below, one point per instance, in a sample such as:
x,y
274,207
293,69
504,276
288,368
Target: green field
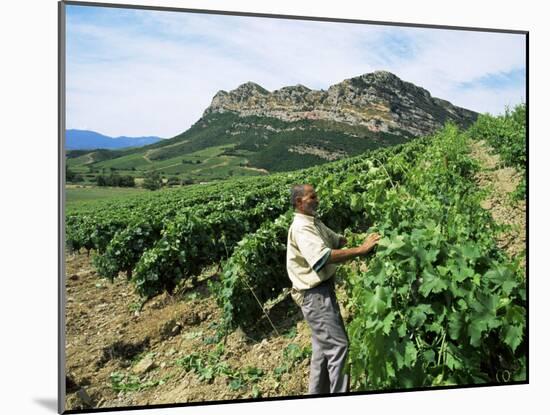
x,y
201,166
80,195
222,146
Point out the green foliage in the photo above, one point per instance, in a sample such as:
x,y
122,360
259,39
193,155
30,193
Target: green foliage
x,y
208,366
256,271
71,176
273,155
125,249
152,181
115,214
78,197
292,355
507,135
439,304
173,181
248,276
130,383
192,241
521,189
291,334
261,142
115,179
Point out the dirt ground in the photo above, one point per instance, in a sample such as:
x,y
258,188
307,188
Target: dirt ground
x,y
120,355
501,182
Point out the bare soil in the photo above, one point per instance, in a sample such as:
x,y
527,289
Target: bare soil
x,y
113,340
108,337
500,182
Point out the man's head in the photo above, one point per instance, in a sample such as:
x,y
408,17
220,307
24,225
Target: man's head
x,y
304,199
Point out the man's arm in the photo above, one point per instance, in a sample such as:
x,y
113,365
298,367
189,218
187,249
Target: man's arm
x,y
341,255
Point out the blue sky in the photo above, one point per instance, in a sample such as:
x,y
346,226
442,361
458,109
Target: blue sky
x,y
140,72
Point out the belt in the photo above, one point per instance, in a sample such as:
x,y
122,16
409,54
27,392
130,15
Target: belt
x,y
326,283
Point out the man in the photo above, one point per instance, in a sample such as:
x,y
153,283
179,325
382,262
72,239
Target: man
x,y
312,252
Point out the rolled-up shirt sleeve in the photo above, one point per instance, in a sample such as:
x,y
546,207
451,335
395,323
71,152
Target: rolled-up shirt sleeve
x,y
321,263
333,236
312,247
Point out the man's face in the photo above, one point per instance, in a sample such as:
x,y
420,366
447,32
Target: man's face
x,y
308,203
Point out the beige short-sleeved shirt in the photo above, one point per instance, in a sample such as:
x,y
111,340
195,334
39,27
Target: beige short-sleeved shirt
x,y
309,244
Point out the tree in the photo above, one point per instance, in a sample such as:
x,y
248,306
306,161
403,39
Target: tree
x,y
173,181
113,179
152,181
101,180
127,181
69,174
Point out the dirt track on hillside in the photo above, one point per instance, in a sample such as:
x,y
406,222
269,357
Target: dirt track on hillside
x,y
500,182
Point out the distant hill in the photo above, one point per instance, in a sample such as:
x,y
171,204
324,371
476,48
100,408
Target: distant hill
x,y
250,130
88,140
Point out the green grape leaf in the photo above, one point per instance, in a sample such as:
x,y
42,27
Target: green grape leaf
x,y
431,283
387,322
417,318
377,300
513,336
475,330
455,325
356,203
429,356
470,251
410,354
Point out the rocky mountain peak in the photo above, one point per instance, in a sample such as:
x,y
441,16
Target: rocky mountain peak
x,y
379,100
250,88
295,88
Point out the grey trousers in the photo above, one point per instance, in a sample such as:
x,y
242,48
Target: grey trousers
x,y
329,341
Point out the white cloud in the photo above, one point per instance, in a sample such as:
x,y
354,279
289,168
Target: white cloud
x,y
156,76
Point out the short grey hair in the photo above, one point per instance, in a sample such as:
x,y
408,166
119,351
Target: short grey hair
x,y
296,191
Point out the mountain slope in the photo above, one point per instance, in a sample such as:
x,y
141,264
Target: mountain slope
x,y
249,129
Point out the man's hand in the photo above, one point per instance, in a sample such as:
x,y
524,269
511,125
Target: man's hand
x,y
340,255
369,243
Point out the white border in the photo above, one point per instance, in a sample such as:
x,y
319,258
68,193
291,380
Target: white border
x,y
29,210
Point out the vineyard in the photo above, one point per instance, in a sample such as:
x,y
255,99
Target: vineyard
x,y
437,303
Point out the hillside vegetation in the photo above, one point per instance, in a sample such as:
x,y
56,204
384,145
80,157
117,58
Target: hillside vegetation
x,y
251,131
440,302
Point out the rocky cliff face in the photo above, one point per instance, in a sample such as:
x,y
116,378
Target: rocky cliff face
x,y
379,101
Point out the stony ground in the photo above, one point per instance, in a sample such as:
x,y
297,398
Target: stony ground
x,y
500,182
120,355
